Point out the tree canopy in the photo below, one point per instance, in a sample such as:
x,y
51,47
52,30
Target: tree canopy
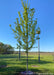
x,y
25,27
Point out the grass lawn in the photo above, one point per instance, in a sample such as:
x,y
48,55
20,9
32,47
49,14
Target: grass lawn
x,y
13,65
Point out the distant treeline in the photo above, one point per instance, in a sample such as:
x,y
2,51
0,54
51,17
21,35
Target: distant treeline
x,y
6,49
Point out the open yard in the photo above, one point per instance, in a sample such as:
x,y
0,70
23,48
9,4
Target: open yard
x,y
10,65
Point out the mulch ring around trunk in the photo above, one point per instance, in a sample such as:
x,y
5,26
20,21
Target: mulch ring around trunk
x,y
35,66
24,73
3,66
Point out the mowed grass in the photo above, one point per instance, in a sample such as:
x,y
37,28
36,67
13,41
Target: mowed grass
x,y
13,65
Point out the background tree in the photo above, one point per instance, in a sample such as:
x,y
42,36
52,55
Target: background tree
x,y
25,29
9,49
1,48
6,49
19,47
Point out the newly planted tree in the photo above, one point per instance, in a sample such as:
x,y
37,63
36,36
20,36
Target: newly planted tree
x,y
25,28
19,47
38,38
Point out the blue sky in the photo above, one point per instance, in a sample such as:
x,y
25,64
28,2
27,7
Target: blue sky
x,y
44,13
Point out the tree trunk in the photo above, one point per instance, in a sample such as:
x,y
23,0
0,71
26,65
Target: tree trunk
x,y
27,63
19,54
38,50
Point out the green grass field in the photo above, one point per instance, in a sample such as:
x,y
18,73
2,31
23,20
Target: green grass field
x,y
13,65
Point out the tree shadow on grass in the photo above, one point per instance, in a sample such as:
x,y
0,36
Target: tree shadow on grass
x,y
15,70
30,61
15,57
3,64
34,61
26,57
8,57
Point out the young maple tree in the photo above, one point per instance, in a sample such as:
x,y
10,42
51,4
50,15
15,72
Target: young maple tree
x,y
25,28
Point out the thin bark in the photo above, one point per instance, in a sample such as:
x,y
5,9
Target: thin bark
x,y
27,64
38,49
19,53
